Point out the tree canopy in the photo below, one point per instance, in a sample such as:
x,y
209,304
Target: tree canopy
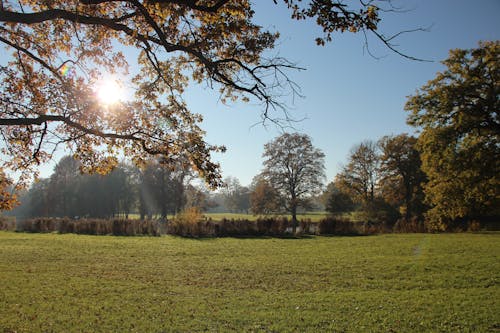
x,y
458,114
59,51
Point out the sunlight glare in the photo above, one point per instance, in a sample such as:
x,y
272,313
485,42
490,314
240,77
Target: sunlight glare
x,y
109,91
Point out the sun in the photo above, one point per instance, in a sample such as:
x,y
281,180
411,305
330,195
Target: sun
x,y
109,91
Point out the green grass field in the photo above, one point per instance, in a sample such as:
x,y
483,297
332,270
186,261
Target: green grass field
x,y
387,283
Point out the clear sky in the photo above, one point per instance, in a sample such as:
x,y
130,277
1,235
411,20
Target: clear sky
x,y
349,95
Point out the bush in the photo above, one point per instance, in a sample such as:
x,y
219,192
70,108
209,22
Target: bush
x,y
413,225
337,226
190,223
7,223
273,226
196,226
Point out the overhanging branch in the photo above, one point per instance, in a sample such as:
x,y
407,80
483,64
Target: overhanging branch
x,y
43,119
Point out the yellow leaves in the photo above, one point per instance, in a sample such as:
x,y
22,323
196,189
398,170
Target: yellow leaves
x,y
7,198
158,121
372,13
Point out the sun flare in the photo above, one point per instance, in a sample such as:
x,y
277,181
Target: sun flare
x,y
109,91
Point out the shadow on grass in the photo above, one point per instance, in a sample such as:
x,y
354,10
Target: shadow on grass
x,y
254,237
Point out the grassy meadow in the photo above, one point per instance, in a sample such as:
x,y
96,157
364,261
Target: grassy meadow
x,y
386,283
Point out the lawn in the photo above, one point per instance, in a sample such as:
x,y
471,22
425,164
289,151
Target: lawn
x,y
387,283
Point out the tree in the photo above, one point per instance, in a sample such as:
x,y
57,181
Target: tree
x,y
458,115
61,50
199,197
7,199
236,197
295,168
129,186
162,189
401,175
264,199
63,187
37,199
337,201
359,177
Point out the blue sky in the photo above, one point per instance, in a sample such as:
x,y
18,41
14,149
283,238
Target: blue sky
x,y
349,95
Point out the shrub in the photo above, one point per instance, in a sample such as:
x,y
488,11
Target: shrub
x,y
336,226
116,227
189,223
373,228
7,223
327,226
305,227
38,225
474,226
413,225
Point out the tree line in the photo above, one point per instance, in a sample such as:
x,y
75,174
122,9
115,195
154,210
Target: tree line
x,y
447,175
154,190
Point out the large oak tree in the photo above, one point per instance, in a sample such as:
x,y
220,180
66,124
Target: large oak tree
x,y
458,115
58,51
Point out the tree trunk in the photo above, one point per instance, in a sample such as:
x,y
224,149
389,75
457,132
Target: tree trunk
x,y
409,207
294,218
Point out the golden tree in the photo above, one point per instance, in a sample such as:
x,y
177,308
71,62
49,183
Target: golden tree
x,y
457,113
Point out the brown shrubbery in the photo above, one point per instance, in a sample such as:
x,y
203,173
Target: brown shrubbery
x,y
275,227
7,223
191,223
116,227
413,225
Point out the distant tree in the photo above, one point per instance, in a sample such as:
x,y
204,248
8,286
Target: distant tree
x,y
72,194
120,187
200,198
147,200
401,175
360,176
58,51
295,168
162,189
337,201
264,199
64,187
458,115
69,193
37,199
236,196
129,191
94,197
